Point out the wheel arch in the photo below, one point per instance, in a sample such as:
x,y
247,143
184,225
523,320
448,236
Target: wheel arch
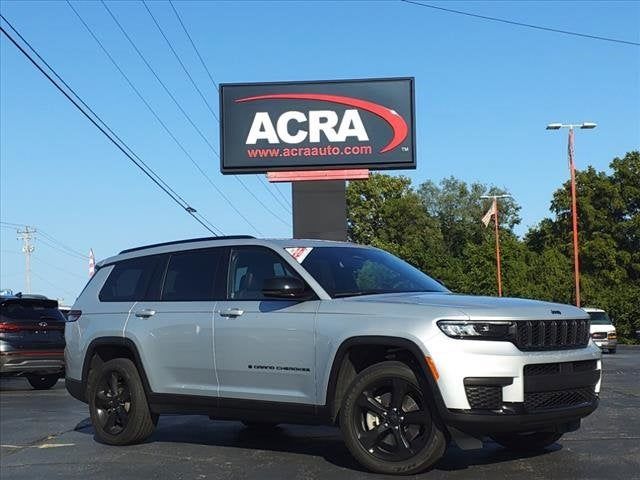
x,y
107,348
343,370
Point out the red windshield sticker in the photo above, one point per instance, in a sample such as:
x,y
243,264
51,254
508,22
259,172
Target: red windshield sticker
x,y
299,253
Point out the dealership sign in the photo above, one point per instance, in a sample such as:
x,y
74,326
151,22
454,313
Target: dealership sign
x,y
317,125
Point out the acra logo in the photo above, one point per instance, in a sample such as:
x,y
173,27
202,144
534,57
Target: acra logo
x,y
294,127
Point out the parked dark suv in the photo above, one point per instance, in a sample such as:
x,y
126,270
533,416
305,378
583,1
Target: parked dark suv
x,y
32,339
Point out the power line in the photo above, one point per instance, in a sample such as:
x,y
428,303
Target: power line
x,y
157,117
68,250
194,45
54,247
40,260
186,115
521,24
244,185
202,62
175,54
154,177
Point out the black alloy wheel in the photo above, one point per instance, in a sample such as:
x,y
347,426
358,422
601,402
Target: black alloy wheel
x,y
388,423
118,403
113,402
391,420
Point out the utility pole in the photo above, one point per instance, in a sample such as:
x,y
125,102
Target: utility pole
x,y
28,236
574,208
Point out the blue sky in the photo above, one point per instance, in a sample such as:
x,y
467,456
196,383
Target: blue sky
x,y
484,92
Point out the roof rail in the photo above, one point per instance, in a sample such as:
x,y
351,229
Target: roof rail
x,y
188,240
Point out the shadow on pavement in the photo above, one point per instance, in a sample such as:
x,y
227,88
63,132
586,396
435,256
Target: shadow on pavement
x,y
324,442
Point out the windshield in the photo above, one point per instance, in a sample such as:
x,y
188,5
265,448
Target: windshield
x,y
351,271
599,318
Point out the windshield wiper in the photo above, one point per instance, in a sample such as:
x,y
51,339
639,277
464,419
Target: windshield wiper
x,y
360,293
379,292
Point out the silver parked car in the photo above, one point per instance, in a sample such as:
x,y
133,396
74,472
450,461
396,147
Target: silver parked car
x,y
317,332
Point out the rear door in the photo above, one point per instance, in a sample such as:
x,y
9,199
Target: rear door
x,y
173,325
31,324
264,348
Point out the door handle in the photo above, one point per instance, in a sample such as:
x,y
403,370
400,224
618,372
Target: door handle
x,y
231,312
145,313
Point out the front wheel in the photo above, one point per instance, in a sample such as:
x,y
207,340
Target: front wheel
x,y
527,442
387,422
118,405
612,350
43,382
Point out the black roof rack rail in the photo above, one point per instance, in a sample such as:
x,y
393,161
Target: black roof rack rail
x,y
188,240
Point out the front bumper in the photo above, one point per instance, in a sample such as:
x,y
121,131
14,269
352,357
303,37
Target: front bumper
x,y
554,391
606,344
44,362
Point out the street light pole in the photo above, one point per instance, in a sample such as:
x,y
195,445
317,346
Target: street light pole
x,y
574,208
497,231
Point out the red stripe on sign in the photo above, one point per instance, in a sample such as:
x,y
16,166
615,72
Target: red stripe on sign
x,y
311,175
397,123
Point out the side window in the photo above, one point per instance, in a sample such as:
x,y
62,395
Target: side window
x,y
191,275
128,280
249,267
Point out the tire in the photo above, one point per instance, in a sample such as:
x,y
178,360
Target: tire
x,y
259,425
43,382
123,418
527,442
387,422
612,350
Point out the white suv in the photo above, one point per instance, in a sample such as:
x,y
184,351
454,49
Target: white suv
x,y
317,332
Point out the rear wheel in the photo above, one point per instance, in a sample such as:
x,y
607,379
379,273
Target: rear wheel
x,y
43,382
612,350
118,404
387,423
531,441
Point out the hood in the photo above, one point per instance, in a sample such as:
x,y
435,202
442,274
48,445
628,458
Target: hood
x,y
478,307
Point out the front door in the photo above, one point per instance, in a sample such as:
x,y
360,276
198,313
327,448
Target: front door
x,y
264,348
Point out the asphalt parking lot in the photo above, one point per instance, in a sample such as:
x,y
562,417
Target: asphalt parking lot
x,y
47,434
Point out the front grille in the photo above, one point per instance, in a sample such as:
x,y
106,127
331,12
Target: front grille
x,y
484,397
538,401
552,334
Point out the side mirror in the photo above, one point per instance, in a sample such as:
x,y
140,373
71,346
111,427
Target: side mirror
x,y
285,287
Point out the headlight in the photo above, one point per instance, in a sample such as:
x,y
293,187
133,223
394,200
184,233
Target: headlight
x,y
612,336
487,330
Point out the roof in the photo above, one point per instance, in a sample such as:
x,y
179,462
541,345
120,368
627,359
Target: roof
x,y
207,242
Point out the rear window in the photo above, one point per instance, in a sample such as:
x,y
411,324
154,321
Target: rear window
x,y
28,310
129,280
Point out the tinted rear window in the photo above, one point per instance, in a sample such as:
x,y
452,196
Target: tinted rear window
x,y
28,310
129,280
191,275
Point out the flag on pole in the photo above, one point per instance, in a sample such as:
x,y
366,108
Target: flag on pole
x,y
92,263
570,150
490,213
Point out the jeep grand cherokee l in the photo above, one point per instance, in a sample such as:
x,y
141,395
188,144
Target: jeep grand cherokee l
x,y
318,332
